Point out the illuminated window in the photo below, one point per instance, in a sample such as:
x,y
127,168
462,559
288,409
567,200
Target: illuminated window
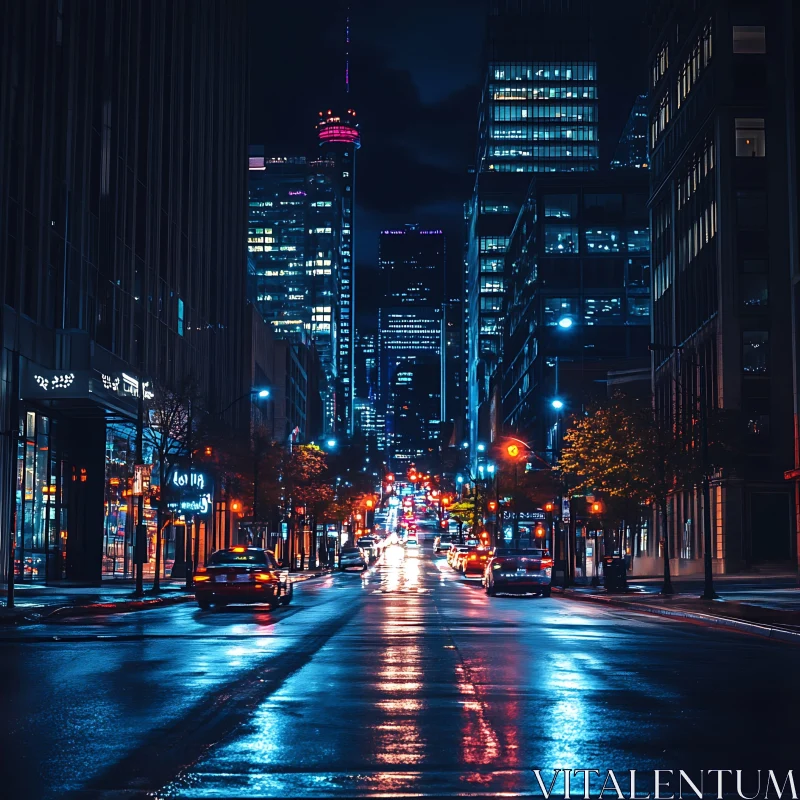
x,y
750,137
749,39
556,308
602,240
561,239
561,206
180,317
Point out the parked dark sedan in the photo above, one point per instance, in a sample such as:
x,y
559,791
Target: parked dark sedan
x,y
518,570
242,575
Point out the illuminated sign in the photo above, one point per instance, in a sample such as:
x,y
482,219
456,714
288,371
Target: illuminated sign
x,y
55,381
339,133
191,490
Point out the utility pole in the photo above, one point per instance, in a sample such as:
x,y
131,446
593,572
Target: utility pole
x,y
140,536
189,528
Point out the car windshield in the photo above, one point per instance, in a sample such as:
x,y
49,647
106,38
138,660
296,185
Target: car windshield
x,y
516,551
238,559
349,551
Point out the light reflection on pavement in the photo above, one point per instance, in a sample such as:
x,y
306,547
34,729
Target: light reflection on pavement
x,y
402,680
446,692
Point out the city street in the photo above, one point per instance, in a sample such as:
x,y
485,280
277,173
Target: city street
x,y
404,680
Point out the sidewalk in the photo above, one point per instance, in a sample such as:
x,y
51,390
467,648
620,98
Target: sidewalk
x,y
765,607
37,603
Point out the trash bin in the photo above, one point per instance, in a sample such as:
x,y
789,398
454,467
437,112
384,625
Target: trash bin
x,y
615,574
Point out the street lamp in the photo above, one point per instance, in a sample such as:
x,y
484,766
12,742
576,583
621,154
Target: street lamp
x,y
565,323
481,448
331,442
557,404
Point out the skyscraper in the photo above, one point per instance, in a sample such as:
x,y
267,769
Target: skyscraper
x,y
631,151
339,139
411,342
276,241
538,114
123,200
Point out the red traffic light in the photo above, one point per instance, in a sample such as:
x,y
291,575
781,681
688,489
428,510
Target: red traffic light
x,y
597,508
549,506
492,505
539,532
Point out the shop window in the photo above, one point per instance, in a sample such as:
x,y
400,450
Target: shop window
x,y
561,206
755,352
750,137
755,291
561,239
749,39
602,240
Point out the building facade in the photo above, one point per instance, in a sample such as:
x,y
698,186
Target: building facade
x,y
578,302
631,150
721,171
411,343
339,140
122,206
538,113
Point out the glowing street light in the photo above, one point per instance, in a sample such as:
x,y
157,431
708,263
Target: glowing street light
x,y
263,393
331,442
513,450
557,404
565,323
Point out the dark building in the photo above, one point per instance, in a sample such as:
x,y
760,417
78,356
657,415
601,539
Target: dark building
x,y
538,113
578,301
412,264
122,206
722,169
454,374
631,150
411,383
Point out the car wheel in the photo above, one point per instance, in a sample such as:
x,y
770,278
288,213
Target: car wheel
x,y
204,602
490,590
287,597
545,591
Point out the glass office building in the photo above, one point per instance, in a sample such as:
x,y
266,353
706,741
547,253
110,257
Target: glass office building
x,y
631,151
538,114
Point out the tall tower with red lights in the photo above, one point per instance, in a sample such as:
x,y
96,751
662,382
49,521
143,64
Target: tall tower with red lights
x,y
339,139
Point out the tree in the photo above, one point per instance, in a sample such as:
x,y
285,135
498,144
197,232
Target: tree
x,y
168,433
632,456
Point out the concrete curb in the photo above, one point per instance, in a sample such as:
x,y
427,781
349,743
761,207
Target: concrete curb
x,y
32,616
779,634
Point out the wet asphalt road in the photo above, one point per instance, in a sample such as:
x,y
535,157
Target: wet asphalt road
x,y
407,680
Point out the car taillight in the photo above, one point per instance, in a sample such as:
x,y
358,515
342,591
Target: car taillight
x,y
263,576
201,578
473,558
547,562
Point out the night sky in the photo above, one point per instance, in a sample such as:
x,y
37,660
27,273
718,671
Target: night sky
x,y
415,72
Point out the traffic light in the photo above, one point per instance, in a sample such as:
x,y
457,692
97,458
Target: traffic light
x,y
443,523
236,506
370,502
512,450
596,508
389,478
208,451
549,507
445,501
539,532
492,505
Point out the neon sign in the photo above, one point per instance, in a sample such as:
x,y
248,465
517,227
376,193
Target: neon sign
x,y
55,382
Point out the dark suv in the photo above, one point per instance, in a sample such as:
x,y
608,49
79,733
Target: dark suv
x,y
242,575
